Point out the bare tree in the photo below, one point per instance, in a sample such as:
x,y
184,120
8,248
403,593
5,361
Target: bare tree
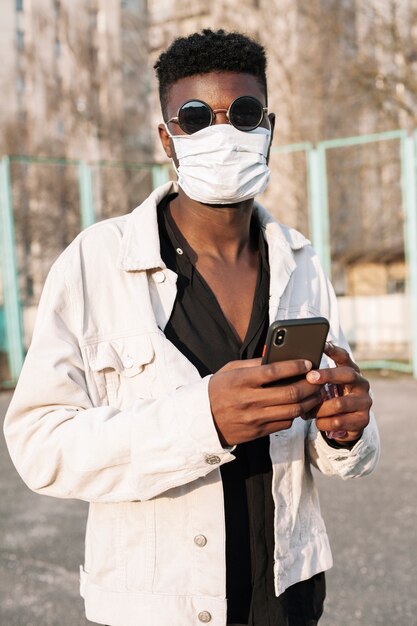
x,y
386,64
86,77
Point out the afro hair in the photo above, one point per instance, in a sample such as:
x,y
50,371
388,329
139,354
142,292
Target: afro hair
x,y
209,51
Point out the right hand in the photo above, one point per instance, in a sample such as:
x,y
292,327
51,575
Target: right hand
x,y
243,409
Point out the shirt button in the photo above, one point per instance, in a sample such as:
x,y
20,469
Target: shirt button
x,y
158,277
200,541
213,459
179,251
128,362
205,617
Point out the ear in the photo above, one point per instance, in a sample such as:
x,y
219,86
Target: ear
x,y
271,117
165,141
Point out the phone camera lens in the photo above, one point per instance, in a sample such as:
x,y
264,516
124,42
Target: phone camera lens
x,y
280,338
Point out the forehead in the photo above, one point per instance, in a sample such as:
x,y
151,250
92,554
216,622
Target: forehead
x,y
218,89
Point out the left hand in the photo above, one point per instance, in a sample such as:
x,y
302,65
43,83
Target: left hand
x,y
349,412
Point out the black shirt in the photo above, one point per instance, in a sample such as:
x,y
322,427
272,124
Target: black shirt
x,y
199,329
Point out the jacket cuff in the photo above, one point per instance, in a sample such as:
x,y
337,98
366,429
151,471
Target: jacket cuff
x,y
346,462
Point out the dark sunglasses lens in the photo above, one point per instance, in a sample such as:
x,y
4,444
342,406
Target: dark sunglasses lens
x,y
246,113
194,116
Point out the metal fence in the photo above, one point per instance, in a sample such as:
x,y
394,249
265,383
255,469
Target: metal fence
x,y
319,191
91,191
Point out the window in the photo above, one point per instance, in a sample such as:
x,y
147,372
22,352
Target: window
x,y
57,9
57,48
60,128
93,17
29,287
396,285
20,39
20,84
19,5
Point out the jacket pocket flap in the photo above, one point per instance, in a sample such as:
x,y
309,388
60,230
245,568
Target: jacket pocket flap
x,y
127,356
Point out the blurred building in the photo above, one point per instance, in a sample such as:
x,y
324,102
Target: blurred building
x,y
75,81
79,84
76,75
327,63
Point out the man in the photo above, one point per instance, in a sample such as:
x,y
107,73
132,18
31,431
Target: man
x,y
143,391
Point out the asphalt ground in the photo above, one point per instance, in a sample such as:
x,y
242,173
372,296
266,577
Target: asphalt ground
x,y
371,521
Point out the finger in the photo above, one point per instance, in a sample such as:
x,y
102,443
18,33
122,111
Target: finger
x,y
287,394
351,422
343,375
339,355
268,420
276,413
344,404
272,372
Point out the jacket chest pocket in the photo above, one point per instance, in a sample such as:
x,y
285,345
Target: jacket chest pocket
x,y
122,370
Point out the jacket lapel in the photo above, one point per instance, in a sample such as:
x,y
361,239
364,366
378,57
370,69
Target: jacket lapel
x,y
282,243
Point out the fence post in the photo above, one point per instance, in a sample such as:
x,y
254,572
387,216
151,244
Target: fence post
x,y
85,185
160,175
8,266
319,204
409,193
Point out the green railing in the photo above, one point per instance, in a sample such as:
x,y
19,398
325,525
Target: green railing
x,y
11,310
318,195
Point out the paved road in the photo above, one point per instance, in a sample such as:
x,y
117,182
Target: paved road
x,y
372,524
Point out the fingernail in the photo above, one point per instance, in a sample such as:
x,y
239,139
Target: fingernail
x,y
308,365
329,345
313,377
336,434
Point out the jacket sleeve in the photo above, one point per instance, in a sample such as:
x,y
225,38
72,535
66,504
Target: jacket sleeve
x,y
363,456
63,446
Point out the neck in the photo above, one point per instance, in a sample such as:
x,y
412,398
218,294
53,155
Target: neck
x,y
221,231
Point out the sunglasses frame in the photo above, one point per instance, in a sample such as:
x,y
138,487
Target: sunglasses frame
x,y
213,112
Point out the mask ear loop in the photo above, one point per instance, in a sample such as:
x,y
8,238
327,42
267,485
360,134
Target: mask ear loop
x,y
172,160
167,129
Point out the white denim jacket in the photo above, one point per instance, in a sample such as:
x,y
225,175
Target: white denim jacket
x,y
107,410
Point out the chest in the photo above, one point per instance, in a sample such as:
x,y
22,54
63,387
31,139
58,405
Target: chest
x,y
235,289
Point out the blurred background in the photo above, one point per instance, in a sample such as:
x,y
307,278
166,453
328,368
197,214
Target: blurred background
x,y
78,143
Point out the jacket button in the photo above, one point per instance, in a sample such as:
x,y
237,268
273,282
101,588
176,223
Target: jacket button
x,y
205,617
128,362
213,459
200,541
158,277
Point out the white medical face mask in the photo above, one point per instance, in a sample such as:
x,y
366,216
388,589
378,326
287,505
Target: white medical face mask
x,y
221,164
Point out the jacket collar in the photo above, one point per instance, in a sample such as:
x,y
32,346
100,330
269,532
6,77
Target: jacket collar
x,y
140,248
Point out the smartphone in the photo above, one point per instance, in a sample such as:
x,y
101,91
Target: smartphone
x,y
296,339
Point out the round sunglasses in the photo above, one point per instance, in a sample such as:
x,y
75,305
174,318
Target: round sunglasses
x,y
244,113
